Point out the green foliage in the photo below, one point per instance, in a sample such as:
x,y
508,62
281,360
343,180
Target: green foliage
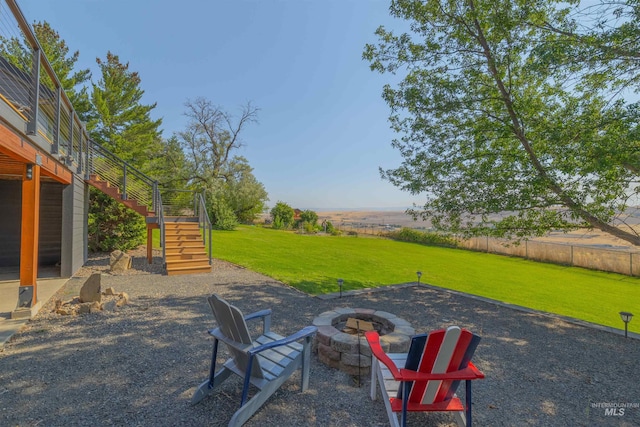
x,y
222,216
245,195
411,235
112,225
309,227
17,52
282,215
309,216
498,133
124,124
314,263
330,229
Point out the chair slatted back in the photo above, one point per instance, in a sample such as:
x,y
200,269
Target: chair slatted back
x,y
439,352
231,323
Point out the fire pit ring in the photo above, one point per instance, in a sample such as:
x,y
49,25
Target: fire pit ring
x,y
351,353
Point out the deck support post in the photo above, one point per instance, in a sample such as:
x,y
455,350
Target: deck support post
x,y
27,293
150,243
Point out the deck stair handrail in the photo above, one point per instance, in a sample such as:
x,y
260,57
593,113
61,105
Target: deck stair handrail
x,y
102,164
204,222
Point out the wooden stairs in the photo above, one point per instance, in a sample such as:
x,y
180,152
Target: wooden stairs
x,y
184,250
110,190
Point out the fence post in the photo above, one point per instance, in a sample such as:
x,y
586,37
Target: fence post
x,y
572,255
630,263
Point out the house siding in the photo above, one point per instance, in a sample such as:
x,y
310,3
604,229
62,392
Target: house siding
x,y
50,230
11,202
75,208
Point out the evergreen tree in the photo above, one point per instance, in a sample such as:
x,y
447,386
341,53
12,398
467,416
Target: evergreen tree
x,y
124,126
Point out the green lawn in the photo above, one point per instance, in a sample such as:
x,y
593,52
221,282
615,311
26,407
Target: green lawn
x,y
313,264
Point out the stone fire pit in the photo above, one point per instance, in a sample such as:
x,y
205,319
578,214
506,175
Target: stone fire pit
x,y
338,349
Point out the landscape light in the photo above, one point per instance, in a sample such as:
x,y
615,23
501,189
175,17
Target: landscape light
x,y
626,318
340,283
419,273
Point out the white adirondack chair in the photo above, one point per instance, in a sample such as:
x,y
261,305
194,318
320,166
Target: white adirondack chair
x,y
265,362
428,375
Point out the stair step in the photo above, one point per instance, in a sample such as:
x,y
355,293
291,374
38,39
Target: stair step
x,y
198,262
182,231
183,238
181,257
183,244
184,251
181,226
188,270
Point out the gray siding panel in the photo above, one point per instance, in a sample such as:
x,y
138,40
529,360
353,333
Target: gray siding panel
x,y
11,202
74,226
50,230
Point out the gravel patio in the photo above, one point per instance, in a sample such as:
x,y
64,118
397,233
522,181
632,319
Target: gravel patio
x,y
139,366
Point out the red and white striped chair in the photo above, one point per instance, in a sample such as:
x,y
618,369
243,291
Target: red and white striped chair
x,y
429,374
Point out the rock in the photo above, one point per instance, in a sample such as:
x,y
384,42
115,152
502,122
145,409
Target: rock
x,y
110,305
64,311
95,307
90,291
119,261
110,291
85,308
124,299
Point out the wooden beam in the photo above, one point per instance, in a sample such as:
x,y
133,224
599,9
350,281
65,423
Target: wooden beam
x,y
22,150
29,228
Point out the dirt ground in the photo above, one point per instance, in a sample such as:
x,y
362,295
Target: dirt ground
x,y
379,220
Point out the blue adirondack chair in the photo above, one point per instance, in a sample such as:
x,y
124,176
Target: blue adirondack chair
x,y
426,378
265,362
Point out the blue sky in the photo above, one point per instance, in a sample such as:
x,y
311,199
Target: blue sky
x,y
323,129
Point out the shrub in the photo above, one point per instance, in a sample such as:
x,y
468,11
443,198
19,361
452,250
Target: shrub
x,y
424,238
309,216
112,225
282,215
222,216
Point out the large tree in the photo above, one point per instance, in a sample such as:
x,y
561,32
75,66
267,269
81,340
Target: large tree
x,y
123,124
209,141
497,132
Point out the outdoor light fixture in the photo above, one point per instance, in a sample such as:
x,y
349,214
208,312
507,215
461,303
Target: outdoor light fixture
x,y
626,318
340,283
29,172
419,273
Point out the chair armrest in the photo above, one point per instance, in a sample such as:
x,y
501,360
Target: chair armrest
x,y
302,333
258,314
376,349
265,315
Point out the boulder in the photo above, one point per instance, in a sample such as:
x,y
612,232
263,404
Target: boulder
x,y
90,290
110,291
119,261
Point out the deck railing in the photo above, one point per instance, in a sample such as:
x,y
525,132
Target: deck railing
x,y
33,101
34,95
